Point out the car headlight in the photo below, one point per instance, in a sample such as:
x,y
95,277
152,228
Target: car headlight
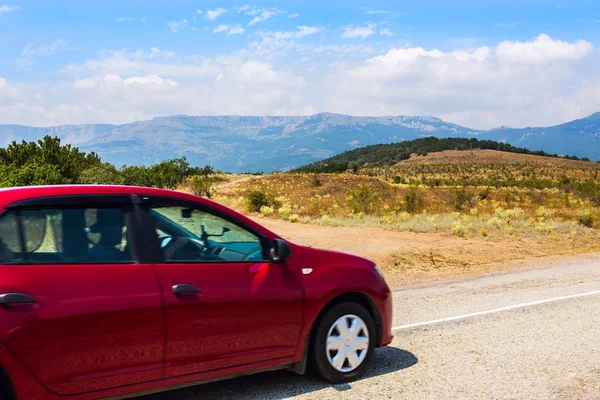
x,y
379,272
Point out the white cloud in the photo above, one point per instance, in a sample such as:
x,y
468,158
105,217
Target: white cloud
x,y
272,42
278,41
236,30
115,80
243,8
45,49
374,12
263,15
176,26
139,63
307,30
132,19
214,14
351,32
6,8
295,15
231,30
482,88
198,12
221,28
385,32
543,49
150,89
345,49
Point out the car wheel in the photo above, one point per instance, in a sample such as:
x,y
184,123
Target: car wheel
x,y
344,343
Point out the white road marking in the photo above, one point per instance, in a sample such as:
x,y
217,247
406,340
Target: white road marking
x,y
495,310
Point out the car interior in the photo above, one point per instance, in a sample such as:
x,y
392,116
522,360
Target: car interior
x,y
72,235
215,240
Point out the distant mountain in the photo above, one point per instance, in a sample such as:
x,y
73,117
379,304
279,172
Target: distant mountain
x,y
579,138
239,144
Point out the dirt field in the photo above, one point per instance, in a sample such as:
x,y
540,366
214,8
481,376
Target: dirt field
x,y
409,258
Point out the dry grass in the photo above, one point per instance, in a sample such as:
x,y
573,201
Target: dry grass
x,y
478,156
361,201
419,232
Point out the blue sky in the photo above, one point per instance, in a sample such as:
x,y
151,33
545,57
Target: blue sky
x,y
477,63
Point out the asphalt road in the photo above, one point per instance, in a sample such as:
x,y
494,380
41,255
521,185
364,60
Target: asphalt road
x,y
524,334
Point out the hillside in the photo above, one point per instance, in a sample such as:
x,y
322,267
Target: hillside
x,y
391,154
477,156
239,144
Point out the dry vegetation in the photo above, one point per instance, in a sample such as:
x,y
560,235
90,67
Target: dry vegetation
x,y
520,205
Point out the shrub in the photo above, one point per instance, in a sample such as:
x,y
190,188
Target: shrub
x,y
266,210
202,185
484,194
31,174
101,174
414,200
364,200
315,181
587,220
462,199
256,199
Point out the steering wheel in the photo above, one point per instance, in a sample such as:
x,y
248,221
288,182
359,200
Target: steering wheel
x,y
181,248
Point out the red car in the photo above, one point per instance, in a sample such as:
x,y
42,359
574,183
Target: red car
x,y
108,290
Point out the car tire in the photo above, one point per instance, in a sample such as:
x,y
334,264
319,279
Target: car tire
x,y
343,343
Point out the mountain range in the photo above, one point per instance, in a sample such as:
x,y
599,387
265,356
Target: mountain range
x,y
241,144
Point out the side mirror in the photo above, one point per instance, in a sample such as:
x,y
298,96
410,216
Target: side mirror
x,y
280,251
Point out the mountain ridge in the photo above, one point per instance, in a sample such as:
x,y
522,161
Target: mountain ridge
x,y
240,143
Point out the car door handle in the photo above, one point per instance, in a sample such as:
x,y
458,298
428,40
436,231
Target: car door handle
x,y
16,298
185,288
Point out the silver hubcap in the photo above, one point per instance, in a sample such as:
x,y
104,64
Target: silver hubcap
x,y
347,343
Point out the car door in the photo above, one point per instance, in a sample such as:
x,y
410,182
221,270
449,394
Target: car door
x,y
77,309
226,304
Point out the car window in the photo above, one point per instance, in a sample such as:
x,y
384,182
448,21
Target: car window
x,y
191,235
70,235
10,246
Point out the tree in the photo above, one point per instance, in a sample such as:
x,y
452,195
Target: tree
x,y
45,162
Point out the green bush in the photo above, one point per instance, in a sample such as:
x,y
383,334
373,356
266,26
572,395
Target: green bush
x,y
202,185
364,200
462,199
315,181
414,200
31,174
587,220
101,174
48,162
256,199
398,179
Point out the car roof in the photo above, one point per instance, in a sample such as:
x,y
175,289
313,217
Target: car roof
x,y
10,195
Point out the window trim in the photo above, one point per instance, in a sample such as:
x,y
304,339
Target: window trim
x,y
145,202
75,201
72,201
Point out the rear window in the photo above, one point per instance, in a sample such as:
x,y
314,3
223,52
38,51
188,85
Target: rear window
x,y
70,235
10,246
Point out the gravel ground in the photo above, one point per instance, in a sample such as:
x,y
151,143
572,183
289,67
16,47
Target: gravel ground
x,y
547,351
